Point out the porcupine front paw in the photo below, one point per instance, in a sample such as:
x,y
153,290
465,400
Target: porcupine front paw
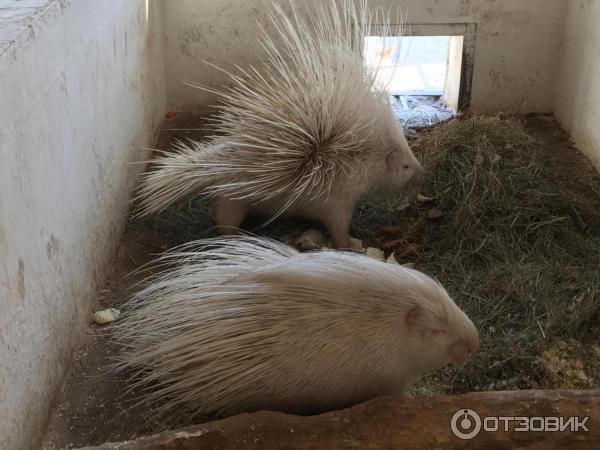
x,y
349,243
354,244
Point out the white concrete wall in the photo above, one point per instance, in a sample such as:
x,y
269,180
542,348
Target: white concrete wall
x,y
577,88
516,50
81,91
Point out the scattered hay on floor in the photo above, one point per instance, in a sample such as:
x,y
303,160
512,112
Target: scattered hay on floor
x,y
518,250
180,223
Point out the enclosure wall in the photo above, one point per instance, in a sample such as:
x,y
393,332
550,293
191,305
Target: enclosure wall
x,y
577,91
81,91
517,45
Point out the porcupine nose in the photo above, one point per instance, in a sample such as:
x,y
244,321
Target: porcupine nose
x,y
418,175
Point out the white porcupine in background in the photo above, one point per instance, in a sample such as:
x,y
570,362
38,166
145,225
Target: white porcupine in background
x,y
308,134
244,324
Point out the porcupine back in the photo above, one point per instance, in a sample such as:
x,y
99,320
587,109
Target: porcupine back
x,y
312,119
243,324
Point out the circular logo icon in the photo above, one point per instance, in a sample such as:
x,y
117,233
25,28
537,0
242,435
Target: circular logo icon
x,y
465,424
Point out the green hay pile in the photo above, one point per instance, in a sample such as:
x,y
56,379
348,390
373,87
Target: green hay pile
x,y
519,250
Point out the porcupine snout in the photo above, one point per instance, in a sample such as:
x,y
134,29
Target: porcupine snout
x,y
418,173
412,164
402,171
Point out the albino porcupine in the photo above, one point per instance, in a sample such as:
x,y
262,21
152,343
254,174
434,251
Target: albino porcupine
x,y
244,324
310,133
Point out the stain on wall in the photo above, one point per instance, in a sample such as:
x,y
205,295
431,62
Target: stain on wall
x,y
21,280
52,247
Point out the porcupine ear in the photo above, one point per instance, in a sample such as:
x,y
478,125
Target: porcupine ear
x,y
423,321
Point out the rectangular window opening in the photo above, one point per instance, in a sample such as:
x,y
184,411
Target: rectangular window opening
x,y
422,75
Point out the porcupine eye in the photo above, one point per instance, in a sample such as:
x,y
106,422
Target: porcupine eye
x,y
394,160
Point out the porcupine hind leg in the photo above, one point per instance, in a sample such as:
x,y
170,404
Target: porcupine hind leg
x,y
338,226
229,215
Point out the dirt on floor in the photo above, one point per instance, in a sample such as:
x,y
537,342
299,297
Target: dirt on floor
x,y
95,405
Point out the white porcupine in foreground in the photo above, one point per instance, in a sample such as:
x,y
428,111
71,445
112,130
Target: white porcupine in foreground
x,y
309,133
245,324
